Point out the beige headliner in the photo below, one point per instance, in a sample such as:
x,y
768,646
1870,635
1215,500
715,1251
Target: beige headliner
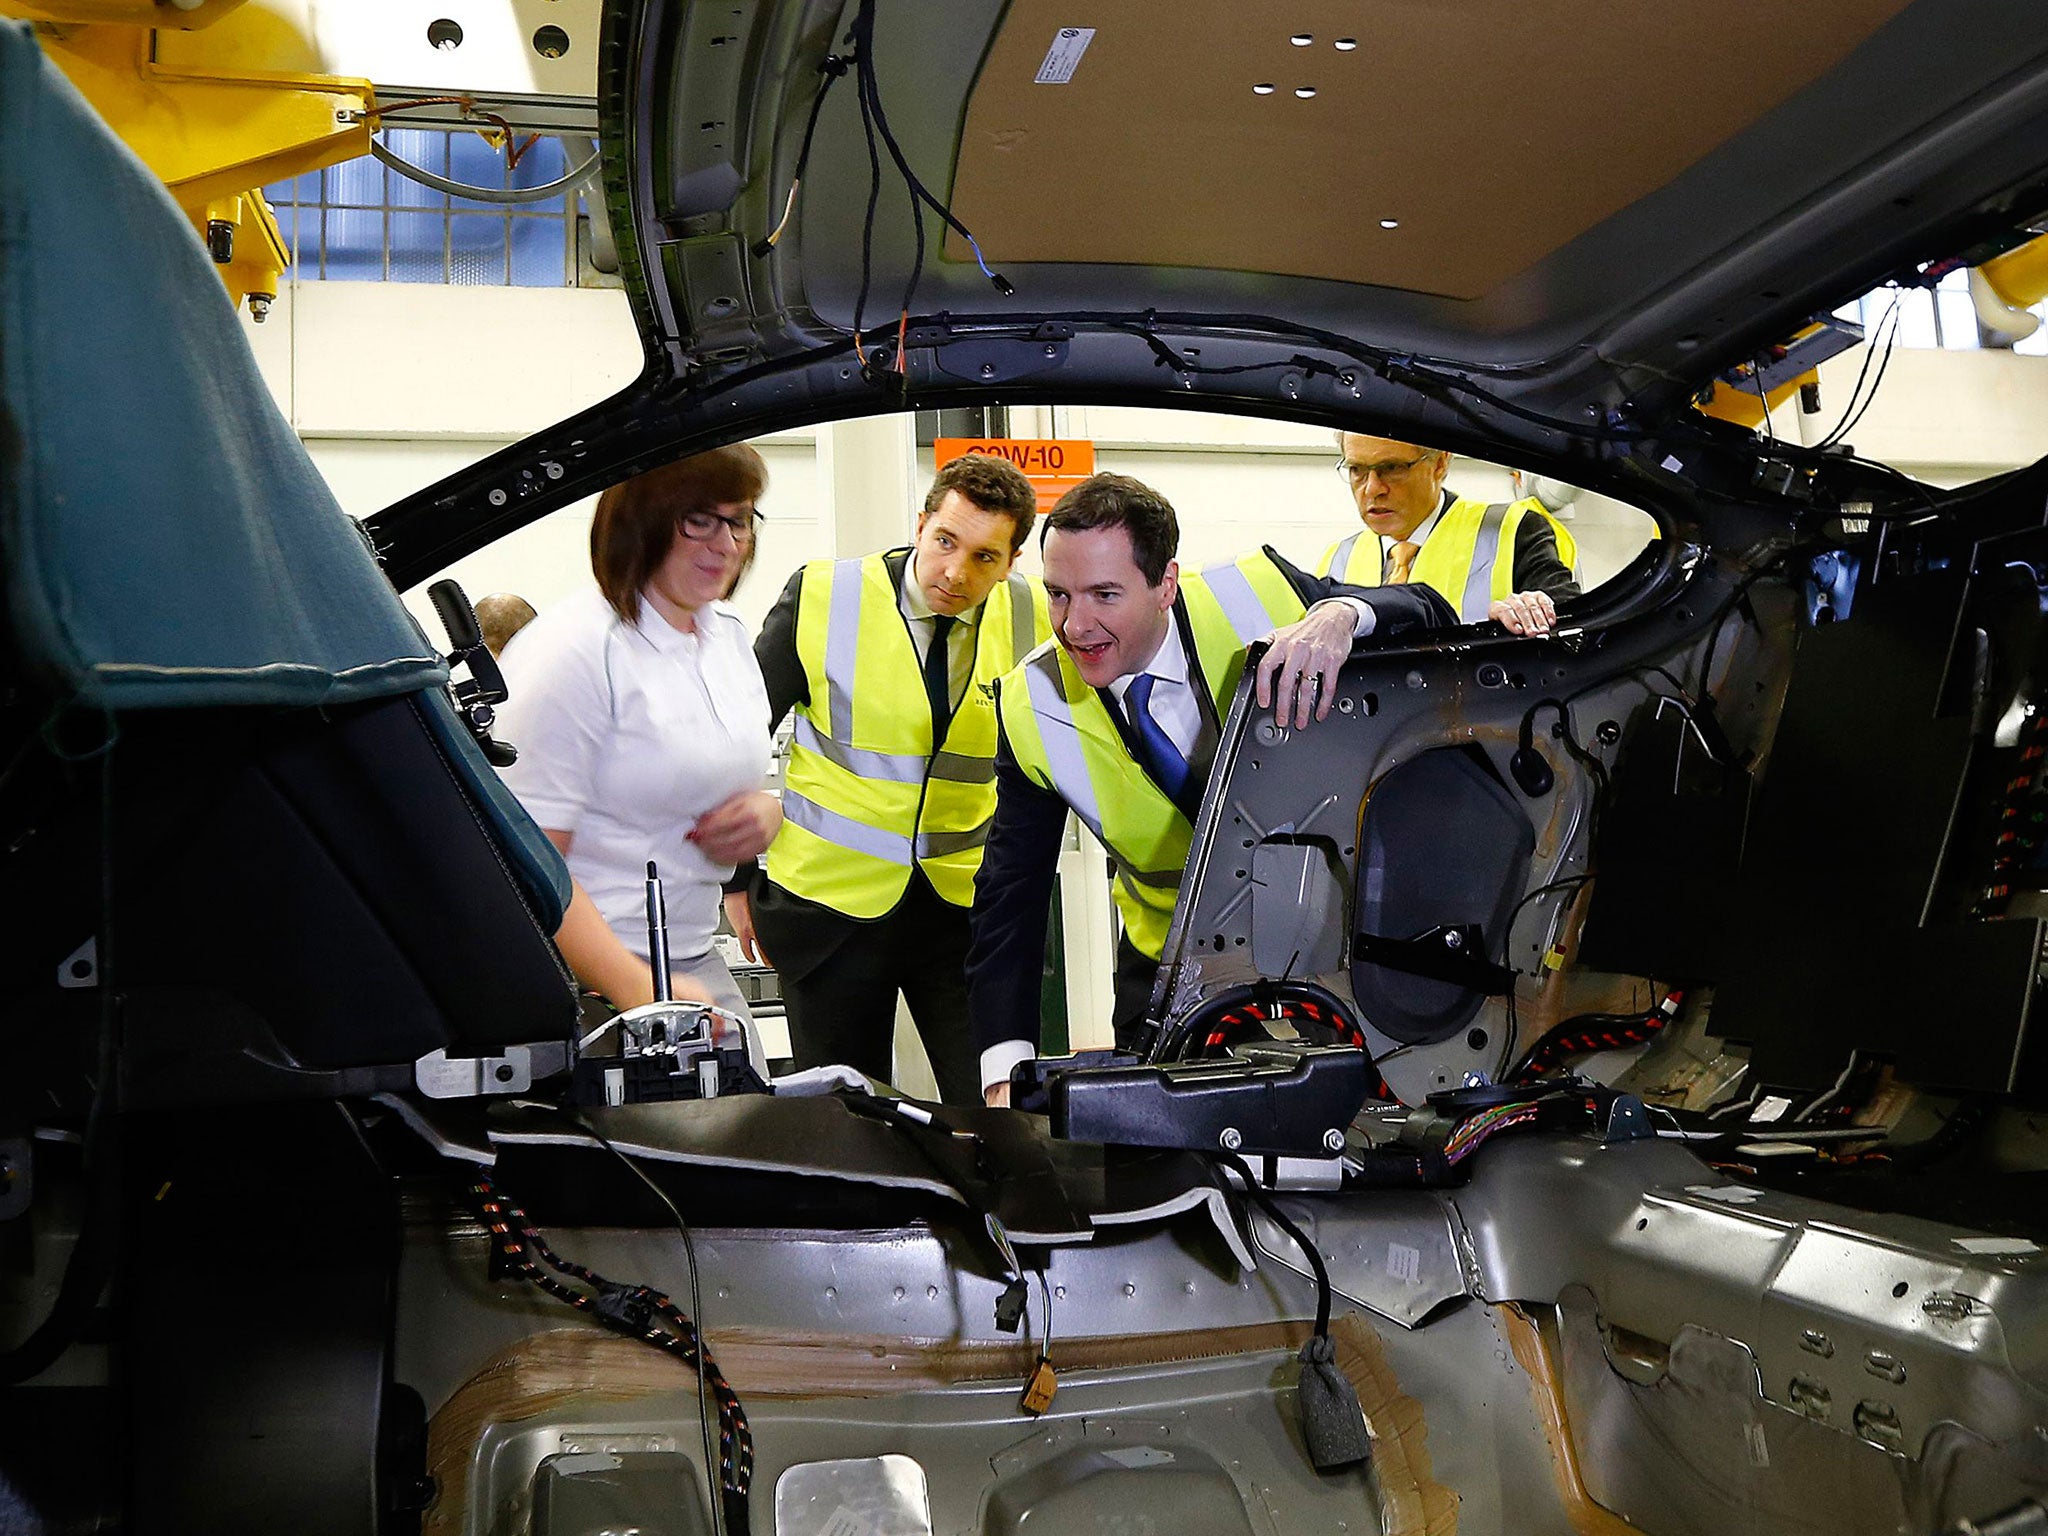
x,y
1495,131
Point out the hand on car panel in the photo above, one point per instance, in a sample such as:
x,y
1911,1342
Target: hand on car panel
x,y
1312,648
1525,613
738,829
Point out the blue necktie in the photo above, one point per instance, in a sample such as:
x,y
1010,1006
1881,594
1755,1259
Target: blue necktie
x,y
1162,759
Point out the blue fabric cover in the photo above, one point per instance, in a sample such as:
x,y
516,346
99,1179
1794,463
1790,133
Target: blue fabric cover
x,y
166,540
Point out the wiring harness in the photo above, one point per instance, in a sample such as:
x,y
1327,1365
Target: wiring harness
x,y
1589,1032
637,1311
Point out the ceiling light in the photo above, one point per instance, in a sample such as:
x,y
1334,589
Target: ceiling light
x,y
1262,90
1302,39
1390,223
1346,44
1304,91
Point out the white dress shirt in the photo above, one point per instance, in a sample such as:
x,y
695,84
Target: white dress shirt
x,y
627,733
960,638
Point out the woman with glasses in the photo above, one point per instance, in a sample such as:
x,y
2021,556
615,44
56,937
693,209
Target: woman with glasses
x,y
642,725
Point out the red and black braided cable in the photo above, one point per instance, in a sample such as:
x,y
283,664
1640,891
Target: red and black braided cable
x,y
637,1311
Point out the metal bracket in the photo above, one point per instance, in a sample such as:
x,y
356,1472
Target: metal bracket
x,y
80,968
998,359
441,1076
1454,953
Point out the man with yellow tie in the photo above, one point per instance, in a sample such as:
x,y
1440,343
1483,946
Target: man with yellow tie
x,y
1416,531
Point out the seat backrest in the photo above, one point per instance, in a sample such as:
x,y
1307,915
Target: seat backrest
x,y
305,862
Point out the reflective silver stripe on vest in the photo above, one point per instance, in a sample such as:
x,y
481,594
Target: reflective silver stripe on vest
x,y
888,767
1479,579
1063,756
1240,603
842,644
801,811
959,768
1062,742
1023,630
1340,559
931,845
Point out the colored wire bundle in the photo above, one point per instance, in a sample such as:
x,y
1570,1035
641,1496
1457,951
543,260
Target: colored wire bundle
x,y
638,1311
1483,1127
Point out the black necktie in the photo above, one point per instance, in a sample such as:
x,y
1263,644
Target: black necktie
x,y
938,677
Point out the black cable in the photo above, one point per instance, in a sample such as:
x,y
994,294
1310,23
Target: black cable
x,y
1265,1202
867,229
583,1124
1763,399
832,68
864,62
865,82
1876,383
1888,327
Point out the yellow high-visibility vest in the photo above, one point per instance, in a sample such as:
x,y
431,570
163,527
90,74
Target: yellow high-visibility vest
x,y
1065,740
868,795
1469,555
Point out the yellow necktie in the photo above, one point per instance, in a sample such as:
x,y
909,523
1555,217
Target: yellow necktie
x,y
1401,560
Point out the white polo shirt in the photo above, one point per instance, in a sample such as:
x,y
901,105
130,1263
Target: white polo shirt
x,y
626,735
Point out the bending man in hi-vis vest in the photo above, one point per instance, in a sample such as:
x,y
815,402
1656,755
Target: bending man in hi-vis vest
x,y
890,663
1118,720
1512,562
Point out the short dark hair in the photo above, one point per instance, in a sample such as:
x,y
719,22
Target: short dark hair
x,y
1118,501
639,520
992,484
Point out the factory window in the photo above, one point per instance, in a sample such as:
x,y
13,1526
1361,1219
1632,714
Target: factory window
x,y
1938,318
362,221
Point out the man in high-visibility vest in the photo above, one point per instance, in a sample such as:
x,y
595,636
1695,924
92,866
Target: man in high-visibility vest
x,y
890,662
1511,561
1118,720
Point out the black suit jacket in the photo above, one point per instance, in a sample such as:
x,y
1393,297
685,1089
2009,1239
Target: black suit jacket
x,y
1013,890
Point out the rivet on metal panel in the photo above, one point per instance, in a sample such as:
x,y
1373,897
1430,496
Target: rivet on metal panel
x,y
1890,1367
1811,1398
1814,1342
1879,1424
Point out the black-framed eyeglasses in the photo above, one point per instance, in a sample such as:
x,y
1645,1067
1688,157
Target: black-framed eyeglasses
x,y
1387,469
703,527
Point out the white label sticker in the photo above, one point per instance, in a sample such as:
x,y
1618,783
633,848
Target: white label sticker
x,y
845,1522
1672,463
1404,1263
1770,1111
1064,54
1997,1246
1759,1451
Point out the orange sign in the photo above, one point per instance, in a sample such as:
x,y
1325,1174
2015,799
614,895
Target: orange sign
x,y
1053,465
